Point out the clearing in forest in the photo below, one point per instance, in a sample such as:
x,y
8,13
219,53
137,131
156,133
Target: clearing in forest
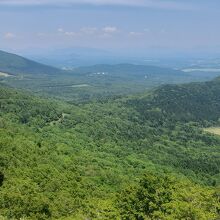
x,y
213,130
4,74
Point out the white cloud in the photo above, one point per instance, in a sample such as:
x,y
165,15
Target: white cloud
x,y
61,31
107,31
110,29
9,35
164,4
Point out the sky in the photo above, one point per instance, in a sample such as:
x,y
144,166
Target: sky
x,y
120,25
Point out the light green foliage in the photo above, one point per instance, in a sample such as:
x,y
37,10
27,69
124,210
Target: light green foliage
x,y
65,161
163,197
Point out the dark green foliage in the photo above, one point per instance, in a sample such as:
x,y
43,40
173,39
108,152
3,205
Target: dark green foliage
x,y
1,178
198,102
192,102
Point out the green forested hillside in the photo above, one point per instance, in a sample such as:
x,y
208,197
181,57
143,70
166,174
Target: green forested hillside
x,y
17,65
127,158
198,102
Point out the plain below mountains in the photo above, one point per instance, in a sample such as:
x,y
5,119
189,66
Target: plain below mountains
x,y
89,82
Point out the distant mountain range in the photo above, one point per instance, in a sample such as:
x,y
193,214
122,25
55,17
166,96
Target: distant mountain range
x,y
130,70
69,58
14,64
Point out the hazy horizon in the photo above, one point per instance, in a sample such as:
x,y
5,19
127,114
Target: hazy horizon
x,y
144,27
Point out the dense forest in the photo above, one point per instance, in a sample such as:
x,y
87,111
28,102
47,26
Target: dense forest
x,y
137,157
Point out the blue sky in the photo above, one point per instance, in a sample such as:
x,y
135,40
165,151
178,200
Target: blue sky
x,y
175,25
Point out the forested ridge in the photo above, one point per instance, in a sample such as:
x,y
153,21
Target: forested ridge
x,y
196,102
139,157
17,65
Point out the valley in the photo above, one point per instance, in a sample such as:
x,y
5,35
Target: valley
x,y
109,110
97,82
88,160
